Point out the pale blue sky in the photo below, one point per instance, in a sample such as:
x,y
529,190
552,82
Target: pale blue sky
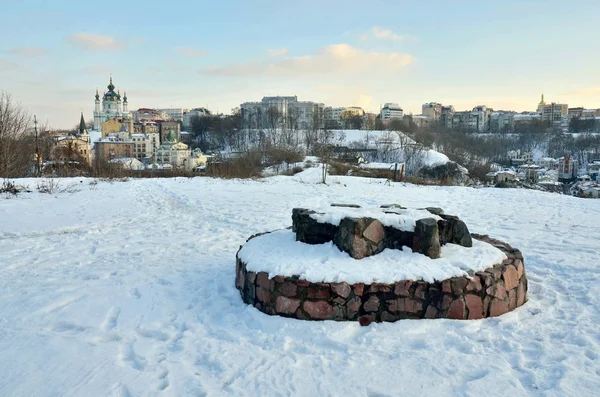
x,y
218,54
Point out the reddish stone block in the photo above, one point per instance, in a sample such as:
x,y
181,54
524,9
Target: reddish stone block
x,y
262,280
302,283
457,309
519,266
378,287
497,291
475,306
446,301
474,285
374,232
318,310
341,289
317,293
358,289
421,290
264,295
392,305
521,294
410,305
496,273
486,278
288,289
507,262
431,312
372,304
402,288
285,305
511,280
498,307
279,279
458,285
365,320
339,300
512,299
447,286
353,306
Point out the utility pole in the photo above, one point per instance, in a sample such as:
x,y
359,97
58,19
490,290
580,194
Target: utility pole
x,y
37,149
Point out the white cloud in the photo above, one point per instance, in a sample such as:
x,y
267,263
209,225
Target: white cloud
x,y
190,52
382,34
29,51
95,42
334,59
385,34
277,52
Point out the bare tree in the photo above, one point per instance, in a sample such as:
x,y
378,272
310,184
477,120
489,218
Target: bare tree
x,y
16,151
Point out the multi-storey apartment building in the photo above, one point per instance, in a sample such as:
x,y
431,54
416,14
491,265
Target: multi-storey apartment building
x,y
284,112
391,111
432,110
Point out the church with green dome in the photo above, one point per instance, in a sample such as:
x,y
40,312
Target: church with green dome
x,y
113,106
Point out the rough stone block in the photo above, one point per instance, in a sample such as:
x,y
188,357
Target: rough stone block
x,y
512,299
264,295
497,290
319,310
453,230
353,307
521,295
317,293
402,288
341,289
308,230
457,309
426,239
350,237
358,289
518,264
431,312
372,304
263,281
285,305
498,307
511,279
379,287
288,289
421,290
475,306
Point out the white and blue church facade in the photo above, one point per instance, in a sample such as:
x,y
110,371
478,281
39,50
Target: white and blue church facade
x,y
112,107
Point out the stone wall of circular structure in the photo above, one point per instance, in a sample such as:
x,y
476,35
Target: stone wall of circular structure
x,y
495,291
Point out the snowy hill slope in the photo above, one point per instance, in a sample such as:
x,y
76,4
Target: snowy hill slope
x,y
126,289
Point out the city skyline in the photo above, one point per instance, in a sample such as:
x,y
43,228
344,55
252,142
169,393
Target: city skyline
x,y
503,56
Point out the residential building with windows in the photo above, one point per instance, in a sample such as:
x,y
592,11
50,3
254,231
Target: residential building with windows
x,y
175,114
391,111
282,111
432,110
555,113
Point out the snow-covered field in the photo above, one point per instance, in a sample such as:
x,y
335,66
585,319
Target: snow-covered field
x,y
127,289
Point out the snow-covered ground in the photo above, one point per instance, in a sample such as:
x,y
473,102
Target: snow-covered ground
x,y
127,289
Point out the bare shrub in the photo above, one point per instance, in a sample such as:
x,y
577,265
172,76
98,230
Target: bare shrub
x,y
339,168
53,186
248,165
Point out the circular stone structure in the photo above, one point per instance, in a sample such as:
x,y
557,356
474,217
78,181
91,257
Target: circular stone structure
x,y
482,290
